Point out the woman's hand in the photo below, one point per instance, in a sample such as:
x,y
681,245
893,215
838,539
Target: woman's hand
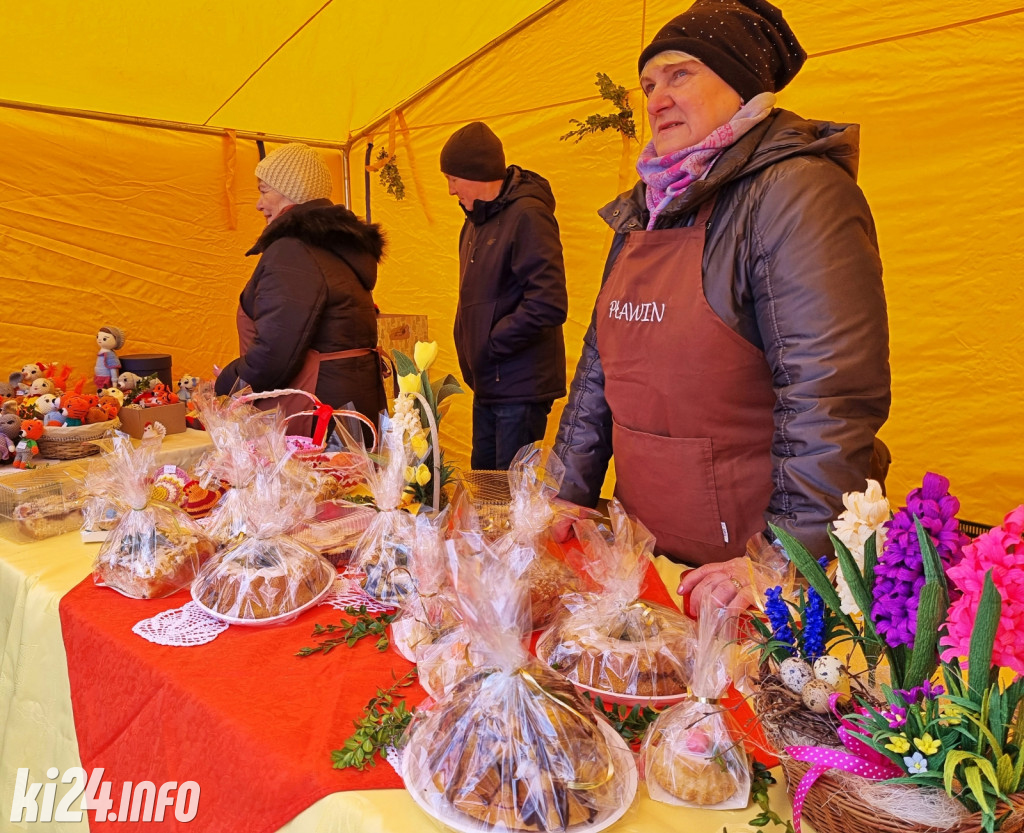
x,y
566,515
725,585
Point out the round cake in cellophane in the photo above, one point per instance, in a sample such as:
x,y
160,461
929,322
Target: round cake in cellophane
x,y
263,579
610,639
640,650
517,750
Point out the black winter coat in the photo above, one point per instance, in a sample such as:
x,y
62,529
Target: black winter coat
x,y
512,296
312,290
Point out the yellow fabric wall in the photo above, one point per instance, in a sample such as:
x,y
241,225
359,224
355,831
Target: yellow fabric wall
x,y
940,165
146,229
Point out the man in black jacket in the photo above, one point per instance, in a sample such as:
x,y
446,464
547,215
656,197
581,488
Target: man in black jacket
x,y
512,297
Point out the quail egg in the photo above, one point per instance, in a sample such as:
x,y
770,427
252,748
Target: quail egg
x,y
815,696
829,669
795,673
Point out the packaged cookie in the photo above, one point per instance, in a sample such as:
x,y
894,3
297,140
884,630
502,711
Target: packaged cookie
x,y
429,613
693,754
524,534
384,550
611,641
512,746
247,443
156,548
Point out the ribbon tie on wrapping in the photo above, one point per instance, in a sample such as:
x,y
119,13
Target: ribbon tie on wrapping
x,y
323,415
859,759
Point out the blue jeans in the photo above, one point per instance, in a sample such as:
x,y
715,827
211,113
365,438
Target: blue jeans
x,y
499,431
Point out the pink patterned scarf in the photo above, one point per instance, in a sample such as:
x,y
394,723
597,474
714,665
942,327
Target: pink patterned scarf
x,y
668,176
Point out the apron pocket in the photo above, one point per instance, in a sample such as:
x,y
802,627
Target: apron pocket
x,y
668,483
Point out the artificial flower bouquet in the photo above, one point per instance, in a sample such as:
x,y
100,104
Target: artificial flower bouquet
x,y
931,736
418,409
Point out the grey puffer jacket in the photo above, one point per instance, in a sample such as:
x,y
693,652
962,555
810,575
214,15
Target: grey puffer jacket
x,y
791,264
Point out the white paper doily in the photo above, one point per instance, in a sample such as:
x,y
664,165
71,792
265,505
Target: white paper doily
x,y
394,757
181,627
347,592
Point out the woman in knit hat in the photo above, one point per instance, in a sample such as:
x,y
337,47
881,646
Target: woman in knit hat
x,y
306,318
738,363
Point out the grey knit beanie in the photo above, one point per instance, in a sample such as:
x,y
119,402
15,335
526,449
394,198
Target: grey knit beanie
x,y
296,171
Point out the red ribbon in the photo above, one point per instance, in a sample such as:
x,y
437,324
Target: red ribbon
x,y
323,414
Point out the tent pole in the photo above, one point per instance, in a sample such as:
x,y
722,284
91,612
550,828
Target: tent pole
x,y
159,124
346,172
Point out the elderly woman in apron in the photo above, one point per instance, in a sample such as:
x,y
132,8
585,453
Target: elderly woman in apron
x,y
306,318
737,362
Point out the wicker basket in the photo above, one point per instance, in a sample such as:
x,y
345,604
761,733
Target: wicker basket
x,y
71,442
830,808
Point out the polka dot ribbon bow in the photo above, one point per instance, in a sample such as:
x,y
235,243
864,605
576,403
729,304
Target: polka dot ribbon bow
x,y
860,759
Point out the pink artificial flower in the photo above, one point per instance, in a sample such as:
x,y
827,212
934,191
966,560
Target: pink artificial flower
x,y
1000,550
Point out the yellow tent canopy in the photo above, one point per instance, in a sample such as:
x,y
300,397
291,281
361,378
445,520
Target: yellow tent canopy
x,y
106,217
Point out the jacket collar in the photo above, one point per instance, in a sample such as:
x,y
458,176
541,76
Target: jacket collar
x,y
783,134
482,210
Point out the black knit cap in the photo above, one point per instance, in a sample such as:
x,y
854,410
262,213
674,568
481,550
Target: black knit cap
x,y
474,152
745,42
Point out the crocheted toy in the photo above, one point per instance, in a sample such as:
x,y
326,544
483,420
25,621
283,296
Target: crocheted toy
x,y
186,385
48,408
75,406
10,430
158,394
42,385
96,414
110,404
29,373
27,447
108,366
9,389
154,431
114,393
128,382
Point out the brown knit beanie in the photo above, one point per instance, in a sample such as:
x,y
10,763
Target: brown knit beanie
x,y
474,152
296,171
745,42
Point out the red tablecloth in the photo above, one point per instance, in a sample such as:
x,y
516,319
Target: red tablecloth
x,y
241,716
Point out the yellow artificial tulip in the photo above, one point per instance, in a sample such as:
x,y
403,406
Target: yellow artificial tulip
x,y
422,475
419,443
410,474
410,383
424,354
898,744
927,744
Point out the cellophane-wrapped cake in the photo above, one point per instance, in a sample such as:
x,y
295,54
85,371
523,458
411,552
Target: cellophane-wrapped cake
x,y
512,746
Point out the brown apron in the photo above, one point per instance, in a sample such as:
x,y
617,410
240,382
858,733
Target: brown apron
x,y
691,400
305,379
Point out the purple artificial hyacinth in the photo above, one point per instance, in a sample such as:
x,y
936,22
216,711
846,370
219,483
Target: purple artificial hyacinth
x,y
899,574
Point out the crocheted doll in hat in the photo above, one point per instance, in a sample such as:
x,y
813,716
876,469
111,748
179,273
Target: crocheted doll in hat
x,y
108,366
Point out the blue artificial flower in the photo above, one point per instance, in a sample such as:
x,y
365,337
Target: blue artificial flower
x,y
778,615
813,628
916,763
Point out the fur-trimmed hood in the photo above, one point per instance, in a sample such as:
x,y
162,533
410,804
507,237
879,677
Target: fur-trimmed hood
x,y
333,228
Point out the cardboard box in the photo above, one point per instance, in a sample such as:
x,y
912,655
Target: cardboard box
x,y
401,331
172,417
